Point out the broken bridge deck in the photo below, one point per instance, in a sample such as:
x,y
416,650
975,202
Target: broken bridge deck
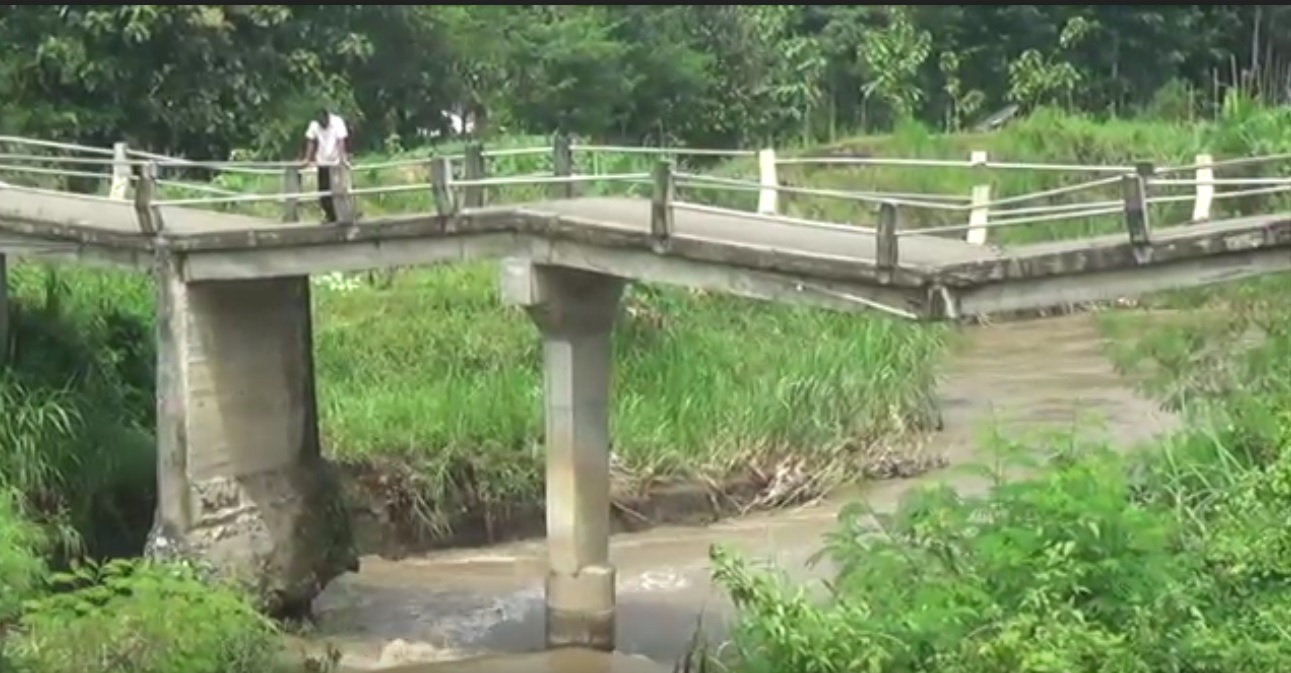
x,y
765,257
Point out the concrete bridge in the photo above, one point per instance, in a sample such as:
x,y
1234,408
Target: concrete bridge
x,y
241,480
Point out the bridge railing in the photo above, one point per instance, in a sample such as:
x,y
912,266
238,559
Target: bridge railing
x,y
453,182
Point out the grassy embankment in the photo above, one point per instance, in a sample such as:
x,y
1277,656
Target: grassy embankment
x,y
1171,559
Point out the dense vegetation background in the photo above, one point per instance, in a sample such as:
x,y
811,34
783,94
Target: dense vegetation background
x,y
206,79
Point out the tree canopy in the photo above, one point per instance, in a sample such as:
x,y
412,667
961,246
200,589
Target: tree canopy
x,y
207,79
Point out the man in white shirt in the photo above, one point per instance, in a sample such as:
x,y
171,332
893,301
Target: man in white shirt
x,y
327,144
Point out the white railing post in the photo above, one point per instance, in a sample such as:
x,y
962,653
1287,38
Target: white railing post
x,y
120,172
1205,188
769,195
979,214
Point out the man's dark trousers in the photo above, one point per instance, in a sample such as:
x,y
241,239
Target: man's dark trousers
x,y
325,201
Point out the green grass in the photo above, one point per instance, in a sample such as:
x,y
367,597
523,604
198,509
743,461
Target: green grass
x,y
443,377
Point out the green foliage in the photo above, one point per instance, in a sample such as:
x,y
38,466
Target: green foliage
x,y
126,616
1170,559
894,55
247,76
21,568
76,433
1076,570
1036,78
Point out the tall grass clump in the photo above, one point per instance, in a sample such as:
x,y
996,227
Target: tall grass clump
x,y
76,427
22,570
444,378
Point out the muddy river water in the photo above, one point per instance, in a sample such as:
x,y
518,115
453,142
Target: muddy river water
x,y
440,613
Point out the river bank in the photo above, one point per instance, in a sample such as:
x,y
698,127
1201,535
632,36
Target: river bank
x,y
1015,379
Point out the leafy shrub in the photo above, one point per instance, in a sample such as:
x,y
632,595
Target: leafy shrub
x,y
1079,569
143,618
21,569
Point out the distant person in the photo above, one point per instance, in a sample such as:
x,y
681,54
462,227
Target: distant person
x,y
327,145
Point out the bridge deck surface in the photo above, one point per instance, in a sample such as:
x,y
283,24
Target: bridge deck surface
x,y
840,242
613,213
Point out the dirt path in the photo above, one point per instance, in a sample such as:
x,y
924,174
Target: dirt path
x,y
1020,378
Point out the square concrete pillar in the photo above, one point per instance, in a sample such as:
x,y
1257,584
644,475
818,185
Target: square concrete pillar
x,y
575,312
241,483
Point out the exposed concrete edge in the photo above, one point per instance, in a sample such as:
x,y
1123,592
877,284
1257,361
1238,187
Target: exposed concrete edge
x,y
1170,245
72,253
1114,284
634,263
74,234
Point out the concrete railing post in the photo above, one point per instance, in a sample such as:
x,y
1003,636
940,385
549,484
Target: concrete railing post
x,y
1205,188
1134,190
342,196
473,168
769,195
979,213
661,203
148,215
562,165
575,312
120,172
885,244
441,179
291,188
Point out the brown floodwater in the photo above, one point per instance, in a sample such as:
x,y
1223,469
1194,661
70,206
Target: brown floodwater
x,y
478,610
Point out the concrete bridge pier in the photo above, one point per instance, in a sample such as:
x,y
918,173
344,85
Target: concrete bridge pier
x,y
575,312
241,482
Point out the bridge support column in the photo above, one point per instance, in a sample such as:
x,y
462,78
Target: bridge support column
x,y
241,483
575,312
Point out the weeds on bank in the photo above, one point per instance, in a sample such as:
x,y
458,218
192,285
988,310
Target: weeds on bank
x,y
76,427
142,617
123,615
1170,559
1104,563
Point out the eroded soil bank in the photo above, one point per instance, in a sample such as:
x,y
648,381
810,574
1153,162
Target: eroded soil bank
x,y
382,501
1013,378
